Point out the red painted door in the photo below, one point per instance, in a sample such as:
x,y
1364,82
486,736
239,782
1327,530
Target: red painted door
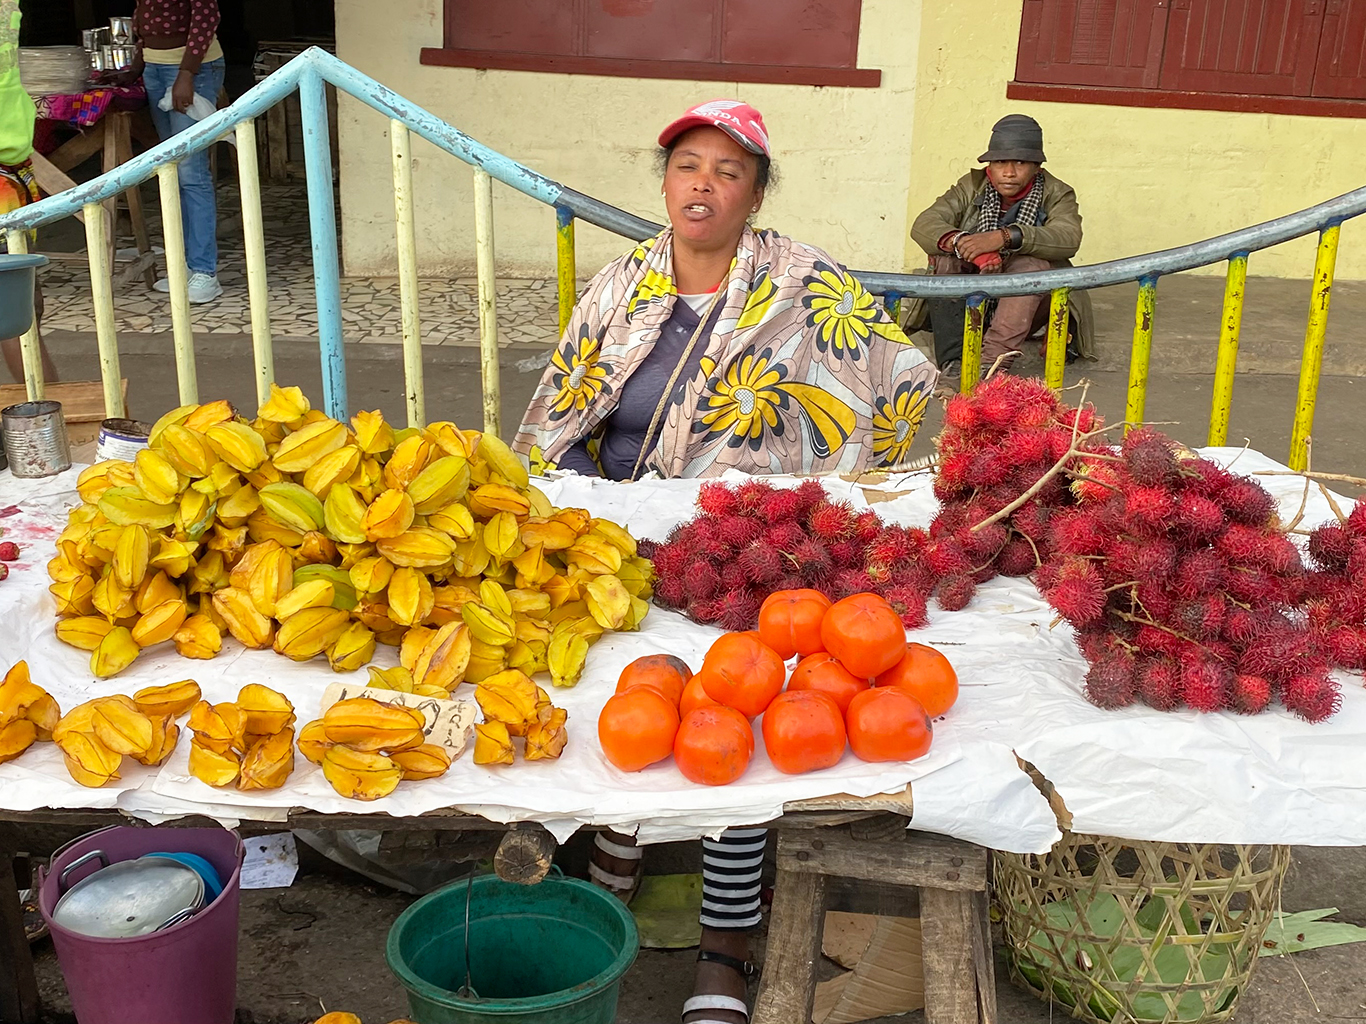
x,y
1341,71
1255,47
1115,43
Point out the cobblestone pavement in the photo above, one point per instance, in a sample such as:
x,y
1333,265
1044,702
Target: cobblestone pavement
x,y
448,308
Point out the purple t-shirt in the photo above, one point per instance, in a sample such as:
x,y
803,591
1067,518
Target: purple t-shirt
x,y
624,430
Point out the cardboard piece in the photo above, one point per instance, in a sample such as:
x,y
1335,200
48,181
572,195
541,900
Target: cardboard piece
x,y
885,974
449,722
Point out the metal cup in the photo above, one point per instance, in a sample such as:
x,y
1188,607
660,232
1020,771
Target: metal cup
x,y
119,58
97,59
88,38
121,31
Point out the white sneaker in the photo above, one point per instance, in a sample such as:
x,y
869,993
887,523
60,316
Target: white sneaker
x,y
203,287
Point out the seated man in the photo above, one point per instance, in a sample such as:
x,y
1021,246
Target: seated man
x,y
1010,216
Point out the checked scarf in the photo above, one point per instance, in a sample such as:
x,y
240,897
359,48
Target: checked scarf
x,y
989,215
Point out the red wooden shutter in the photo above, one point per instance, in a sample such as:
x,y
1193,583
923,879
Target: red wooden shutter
x,y
1341,68
521,26
1115,43
1257,47
647,30
814,33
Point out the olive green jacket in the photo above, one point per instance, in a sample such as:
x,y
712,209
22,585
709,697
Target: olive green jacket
x,y
1056,239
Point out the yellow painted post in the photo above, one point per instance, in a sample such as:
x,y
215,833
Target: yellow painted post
x,y
1312,361
178,277
488,301
974,323
102,294
1142,352
1056,361
29,350
401,144
254,239
565,259
1234,284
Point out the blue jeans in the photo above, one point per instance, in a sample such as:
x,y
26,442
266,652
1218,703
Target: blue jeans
x,y
198,205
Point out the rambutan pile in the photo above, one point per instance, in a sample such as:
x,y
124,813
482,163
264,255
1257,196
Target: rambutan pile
x,y
1183,587
997,443
1336,598
752,539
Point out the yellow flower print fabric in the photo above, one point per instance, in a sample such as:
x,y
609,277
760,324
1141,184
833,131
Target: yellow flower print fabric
x,y
803,371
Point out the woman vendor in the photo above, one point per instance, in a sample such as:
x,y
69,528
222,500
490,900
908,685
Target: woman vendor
x,y
714,346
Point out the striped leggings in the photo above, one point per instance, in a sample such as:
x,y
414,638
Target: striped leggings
x,y
731,866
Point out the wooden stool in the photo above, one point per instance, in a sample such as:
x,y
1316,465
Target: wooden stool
x,y
951,876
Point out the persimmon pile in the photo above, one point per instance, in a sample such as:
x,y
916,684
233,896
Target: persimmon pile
x,y
753,540
854,683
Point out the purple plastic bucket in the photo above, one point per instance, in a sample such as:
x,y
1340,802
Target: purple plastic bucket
x,y
186,974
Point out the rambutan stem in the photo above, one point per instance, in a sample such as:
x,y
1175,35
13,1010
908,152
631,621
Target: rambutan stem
x,y
1093,480
1120,586
1338,477
1144,621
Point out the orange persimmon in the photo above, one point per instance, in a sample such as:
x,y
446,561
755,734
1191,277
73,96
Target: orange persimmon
x,y
790,621
713,745
927,676
662,672
803,731
865,634
637,728
823,673
742,673
888,724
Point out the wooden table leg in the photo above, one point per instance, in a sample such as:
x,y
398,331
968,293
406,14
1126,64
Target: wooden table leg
x,y
788,983
947,923
984,958
123,152
18,985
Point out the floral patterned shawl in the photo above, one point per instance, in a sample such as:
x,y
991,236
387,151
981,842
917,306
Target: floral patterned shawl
x,y
802,373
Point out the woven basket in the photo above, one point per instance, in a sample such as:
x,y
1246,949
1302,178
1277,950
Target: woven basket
x,y
1116,930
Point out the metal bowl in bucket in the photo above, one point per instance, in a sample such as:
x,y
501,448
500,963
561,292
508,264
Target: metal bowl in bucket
x,y
17,273
128,898
552,953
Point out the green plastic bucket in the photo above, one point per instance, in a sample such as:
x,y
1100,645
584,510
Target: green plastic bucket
x,y
552,953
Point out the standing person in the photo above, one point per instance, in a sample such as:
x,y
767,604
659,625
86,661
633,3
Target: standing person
x,y
17,187
1010,216
708,347
178,51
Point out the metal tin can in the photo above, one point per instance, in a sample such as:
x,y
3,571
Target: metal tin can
x,y
35,439
121,439
128,898
121,31
120,57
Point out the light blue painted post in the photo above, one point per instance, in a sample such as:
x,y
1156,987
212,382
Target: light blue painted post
x,y
322,223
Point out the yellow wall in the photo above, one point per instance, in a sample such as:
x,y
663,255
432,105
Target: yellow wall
x,y
842,153
1146,178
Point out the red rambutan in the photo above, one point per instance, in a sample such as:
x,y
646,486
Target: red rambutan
x,y
1079,599
909,604
1205,684
1330,546
780,506
750,495
739,610
916,577
761,562
646,548
738,531
733,575
1153,601
990,466
790,582
1152,640
1110,680
785,536
1250,695
1027,447
832,521
867,525
1356,520
845,554
1241,626
960,414
1016,558
1084,419
955,592
984,544
701,581
951,474
1076,532
671,559
670,592
1313,696
1158,681
1197,572
1200,617
1198,518
809,494
1149,457
895,545
716,498
811,560
1344,647
1246,501
717,551
705,612
1151,506
1207,477
949,519
849,581
945,558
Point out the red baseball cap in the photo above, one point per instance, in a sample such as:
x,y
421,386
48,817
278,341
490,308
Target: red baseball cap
x,y
739,120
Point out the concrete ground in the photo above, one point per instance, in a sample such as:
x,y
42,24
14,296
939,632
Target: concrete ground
x,y
320,944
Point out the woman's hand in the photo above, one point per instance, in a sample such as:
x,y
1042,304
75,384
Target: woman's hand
x,y
969,247
182,92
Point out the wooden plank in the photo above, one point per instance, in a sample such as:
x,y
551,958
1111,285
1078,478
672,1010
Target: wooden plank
x,y
918,859
277,143
121,127
946,923
897,803
51,179
983,958
82,401
795,924
18,985
855,896
80,149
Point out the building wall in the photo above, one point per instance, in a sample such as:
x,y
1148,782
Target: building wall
x,y
843,154
1146,178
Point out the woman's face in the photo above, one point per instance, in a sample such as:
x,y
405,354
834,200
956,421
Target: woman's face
x,y
709,188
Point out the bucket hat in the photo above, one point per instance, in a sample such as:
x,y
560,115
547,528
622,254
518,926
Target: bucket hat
x,y
1015,137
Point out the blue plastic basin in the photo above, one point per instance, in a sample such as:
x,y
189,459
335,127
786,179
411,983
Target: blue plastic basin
x,y
17,274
